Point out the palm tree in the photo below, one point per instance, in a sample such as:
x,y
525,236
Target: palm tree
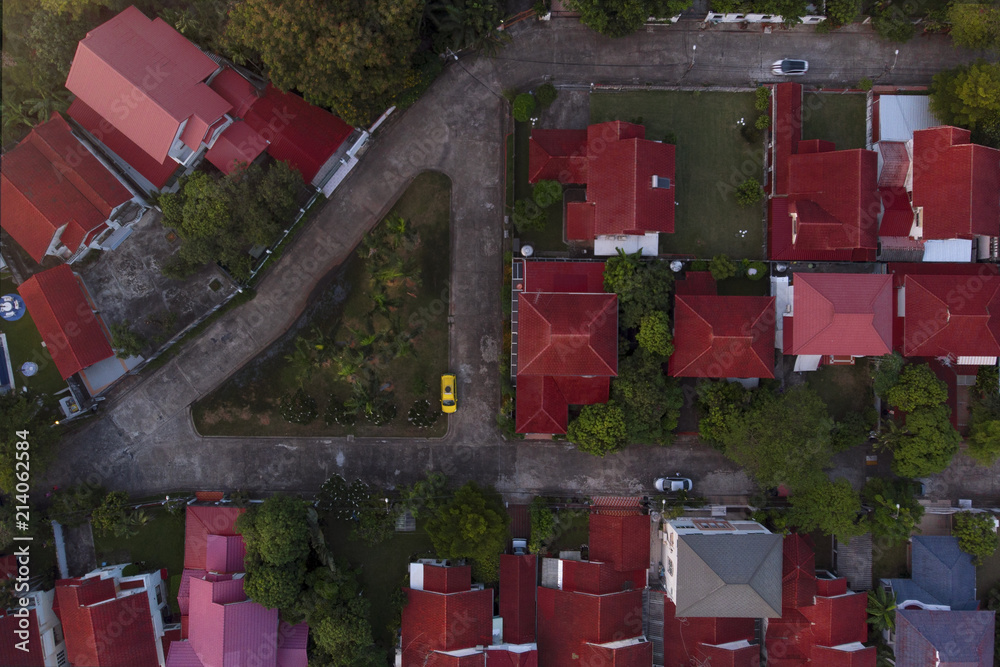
x,y
399,230
302,360
881,610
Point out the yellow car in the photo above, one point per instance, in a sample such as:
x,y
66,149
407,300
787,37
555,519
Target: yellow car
x,y
449,401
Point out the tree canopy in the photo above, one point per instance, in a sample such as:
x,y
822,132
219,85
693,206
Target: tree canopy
x,y
976,533
642,287
925,444
885,372
917,387
984,407
617,18
651,401
975,25
600,429
654,334
831,507
276,534
473,524
969,96
21,415
895,510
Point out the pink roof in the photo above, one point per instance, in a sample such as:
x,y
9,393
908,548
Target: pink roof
x,y
50,180
224,553
787,101
444,622
568,334
723,336
895,164
237,145
146,79
202,521
956,183
842,313
622,541
518,578
951,315
226,629
558,155
293,640
72,333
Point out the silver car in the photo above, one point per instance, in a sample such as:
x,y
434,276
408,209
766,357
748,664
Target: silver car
x,y
789,67
672,484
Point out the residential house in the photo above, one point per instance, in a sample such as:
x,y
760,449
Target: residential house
x,y
565,341
721,336
835,317
71,329
721,568
518,582
824,203
113,620
42,644
708,640
955,317
942,576
57,199
630,184
219,624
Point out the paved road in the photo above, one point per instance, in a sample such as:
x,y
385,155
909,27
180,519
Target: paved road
x,y
145,443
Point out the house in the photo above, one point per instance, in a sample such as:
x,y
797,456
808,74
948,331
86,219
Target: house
x,y
71,330
707,641
721,568
113,620
566,340
518,582
944,638
942,576
157,105
220,625
835,317
630,184
951,316
58,199
721,336
813,216
43,644
821,622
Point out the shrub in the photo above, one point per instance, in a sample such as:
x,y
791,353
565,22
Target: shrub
x,y
669,137
762,99
757,270
750,133
299,408
422,414
546,94
338,413
543,525
528,216
524,106
699,265
977,535
127,343
547,193
722,267
866,84
749,192
381,413
763,122
891,24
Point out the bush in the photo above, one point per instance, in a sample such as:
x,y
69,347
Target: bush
x,y
749,192
126,342
524,106
757,271
383,412
546,94
722,267
669,137
842,12
543,525
891,24
865,84
338,413
299,408
977,534
763,122
699,265
422,414
762,98
547,193
528,217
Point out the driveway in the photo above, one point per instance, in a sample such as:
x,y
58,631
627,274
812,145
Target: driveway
x,y
144,442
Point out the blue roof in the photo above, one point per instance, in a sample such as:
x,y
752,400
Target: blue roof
x,y
944,571
906,589
959,638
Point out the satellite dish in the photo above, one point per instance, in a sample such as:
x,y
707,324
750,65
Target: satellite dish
x,y
527,251
676,265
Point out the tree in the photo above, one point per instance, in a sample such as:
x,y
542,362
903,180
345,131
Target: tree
x,y
853,430
274,586
543,524
473,524
749,191
654,334
885,372
881,610
24,419
721,407
968,95
976,533
895,511
73,506
114,516
642,287
651,401
892,24
722,267
917,387
925,445
831,507
546,193
974,25
466,24
422,498
617,18
276,530
984,412
842,12
528,216
546,94
599,430
54,36
523,107
344,637
75,8
126,342
354,57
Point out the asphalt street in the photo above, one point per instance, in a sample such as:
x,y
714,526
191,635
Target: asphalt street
x,y
143,440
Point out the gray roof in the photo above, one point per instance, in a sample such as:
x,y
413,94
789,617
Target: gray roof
x,y
943,570
729,575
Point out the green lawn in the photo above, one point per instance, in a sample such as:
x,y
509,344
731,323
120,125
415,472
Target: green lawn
x,y
549,239
744,287
836,117
247,404
159,544
709,158
572,530
844,389
25,344
383,568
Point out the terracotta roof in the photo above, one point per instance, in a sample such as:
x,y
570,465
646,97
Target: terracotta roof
x,y
235,89
956,183
622,541
10,655
580,220
157,172
730,656
238,144
50,182
91,618
849,656
831,587
72,333
944,638
202,521
951,315
787,101
518,579
779,240
686,640
567,334
895,164
146,79
577,277
209,496
542,400
451,579
444,622
838,620
557,155
798,572
842,313
600,578
723,336
897,215
567,621
787,640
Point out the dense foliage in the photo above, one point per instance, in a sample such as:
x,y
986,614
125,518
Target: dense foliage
x,y
617,18
984,412
642,287
976,533
975,25
895,511
833,508
24,418
924,444
473,525
600,429
917,387
969,96
543,525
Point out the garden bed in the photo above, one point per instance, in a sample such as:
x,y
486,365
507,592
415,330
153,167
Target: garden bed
x,y
376,334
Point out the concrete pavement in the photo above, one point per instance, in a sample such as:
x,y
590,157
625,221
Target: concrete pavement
x,y
144,442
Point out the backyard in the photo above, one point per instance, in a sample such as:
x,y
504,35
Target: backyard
x,y
373,343
712,158
844,389
836,117
549,239
25,344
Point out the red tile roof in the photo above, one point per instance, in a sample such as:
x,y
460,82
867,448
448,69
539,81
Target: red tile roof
x,y
838,620
502,658
558,155
787,101
831,587
51,182
202,521
897,216
542,400
744,656
518,580
798,572
10,655
779,240
146,79
437,659
895,164
451,579
685,640
600,578
8,566
787,639
299,133
92,624
567,621
951,315
823,656
697,283
842,313
639,654
814,146
723,336
622,541
235,89
956,183
444,622
567,334
579,277
580,221
237,145
72,333
157,172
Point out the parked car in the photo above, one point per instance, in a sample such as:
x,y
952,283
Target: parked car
x,y
520,546
449,399
672,484
789,67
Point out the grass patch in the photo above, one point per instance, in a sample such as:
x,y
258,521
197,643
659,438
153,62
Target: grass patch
x,y
159,544
572,530
836,117
549,239
844,389
744,287
247,404
709,158
25,344
383,568
889,562
509,171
